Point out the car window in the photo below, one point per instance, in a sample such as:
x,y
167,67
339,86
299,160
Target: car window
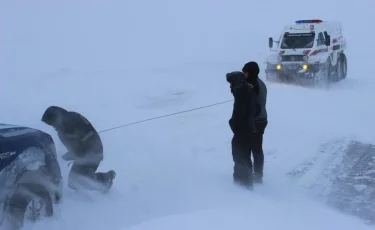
x,y
320,40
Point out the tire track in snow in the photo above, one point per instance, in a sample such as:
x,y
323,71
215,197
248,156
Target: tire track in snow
x,y
343,175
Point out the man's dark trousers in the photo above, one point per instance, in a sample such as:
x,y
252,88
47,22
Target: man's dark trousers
x,y
257,149
242,148
85,175
243,169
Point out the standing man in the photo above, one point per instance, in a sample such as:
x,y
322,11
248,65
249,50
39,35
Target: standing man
x,y
251,71
84,146
242,124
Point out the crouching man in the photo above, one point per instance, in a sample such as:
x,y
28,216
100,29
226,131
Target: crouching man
x,y
84,146
242,124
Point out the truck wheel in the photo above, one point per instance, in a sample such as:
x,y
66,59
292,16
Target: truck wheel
x,y
324,76
29,203
342,68
328,73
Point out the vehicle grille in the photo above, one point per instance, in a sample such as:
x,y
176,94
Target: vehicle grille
x,y
292,57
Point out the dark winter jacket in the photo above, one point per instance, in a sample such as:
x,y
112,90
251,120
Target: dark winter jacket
x,y
252,69
242,121
261,101
76,133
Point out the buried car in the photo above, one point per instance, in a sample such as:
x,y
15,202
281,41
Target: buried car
x,y
30,175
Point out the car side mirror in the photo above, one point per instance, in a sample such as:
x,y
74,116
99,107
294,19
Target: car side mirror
x,y
270,42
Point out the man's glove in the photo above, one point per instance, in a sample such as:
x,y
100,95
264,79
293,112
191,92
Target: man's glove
x,y
69,156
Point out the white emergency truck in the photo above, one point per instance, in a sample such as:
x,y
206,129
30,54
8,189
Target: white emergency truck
x,y
310,51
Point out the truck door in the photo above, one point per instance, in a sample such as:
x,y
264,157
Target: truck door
x,y
333,51
321,45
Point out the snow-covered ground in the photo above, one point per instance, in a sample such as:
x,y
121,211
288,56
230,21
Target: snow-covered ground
x,y
117,62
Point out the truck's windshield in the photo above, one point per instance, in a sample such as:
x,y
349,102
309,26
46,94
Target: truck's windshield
x,y
297,40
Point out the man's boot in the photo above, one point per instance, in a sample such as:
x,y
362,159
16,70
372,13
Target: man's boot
x,y
110,177
258,178
246,182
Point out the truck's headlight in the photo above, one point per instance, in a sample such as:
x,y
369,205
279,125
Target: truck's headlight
x,y
278,67
305,58
304,66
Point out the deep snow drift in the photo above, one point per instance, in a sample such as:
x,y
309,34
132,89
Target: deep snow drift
x,y
121,61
